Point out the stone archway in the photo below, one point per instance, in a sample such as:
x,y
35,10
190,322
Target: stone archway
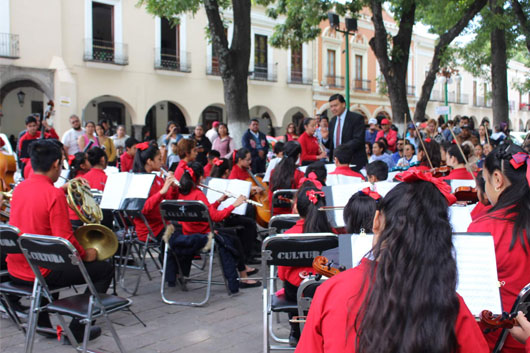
x,y
14,77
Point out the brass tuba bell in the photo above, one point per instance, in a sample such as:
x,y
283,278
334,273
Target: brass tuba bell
x,y
92,234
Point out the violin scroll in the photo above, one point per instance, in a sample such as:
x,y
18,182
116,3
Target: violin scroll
x,y
493,322
322,266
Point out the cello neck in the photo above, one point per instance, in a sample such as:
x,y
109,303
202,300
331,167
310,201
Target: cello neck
x,y
255,179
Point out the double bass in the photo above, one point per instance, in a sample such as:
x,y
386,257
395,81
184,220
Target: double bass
x,y
263,213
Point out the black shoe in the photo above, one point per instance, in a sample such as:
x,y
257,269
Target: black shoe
x,y
253,261
95,332
249,285
253,272
293,341
294,336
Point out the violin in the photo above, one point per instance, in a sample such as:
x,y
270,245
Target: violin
x,y
323,266
466,193
441,171
492,322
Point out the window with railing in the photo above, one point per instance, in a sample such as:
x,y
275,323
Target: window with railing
x,y
9,46
260,57
411,90
296,65
336,82
362,85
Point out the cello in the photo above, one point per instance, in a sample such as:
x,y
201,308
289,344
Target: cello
x,y
263,213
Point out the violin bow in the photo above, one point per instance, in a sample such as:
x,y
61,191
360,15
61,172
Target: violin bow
x,y
423,145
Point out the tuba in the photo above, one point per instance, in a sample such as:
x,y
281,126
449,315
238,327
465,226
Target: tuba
x,y
92,234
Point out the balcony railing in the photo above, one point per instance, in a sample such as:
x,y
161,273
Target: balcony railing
x,y
106,52
264,74
170,59
300,77
213,68
9,46
332,81
411,90
524,107
362,85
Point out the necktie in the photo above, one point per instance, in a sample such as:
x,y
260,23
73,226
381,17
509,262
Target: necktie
x,y
337,136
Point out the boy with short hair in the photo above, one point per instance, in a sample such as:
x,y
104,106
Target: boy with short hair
x,y
127,158
342,155
377,171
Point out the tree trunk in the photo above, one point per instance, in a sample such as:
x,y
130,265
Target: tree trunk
x,y
394,69
441,46
233,62
499,78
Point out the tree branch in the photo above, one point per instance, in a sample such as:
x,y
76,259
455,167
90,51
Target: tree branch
x,y
523,21
217,31
378,42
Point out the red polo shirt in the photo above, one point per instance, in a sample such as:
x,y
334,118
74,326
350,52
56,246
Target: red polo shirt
x,y
151,209
126,162
207,169
216,216
346,170
310,147
391,137
459,174
38,207
28,137
239,173
96,178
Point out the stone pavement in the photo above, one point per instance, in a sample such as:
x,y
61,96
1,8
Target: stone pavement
x,y
224,324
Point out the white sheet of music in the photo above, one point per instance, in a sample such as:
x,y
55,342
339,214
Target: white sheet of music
x,y
111,170
475,261
235,186
456,183
383,187
61,181
121,186
339,179
339,195
391,175
330,168
460,217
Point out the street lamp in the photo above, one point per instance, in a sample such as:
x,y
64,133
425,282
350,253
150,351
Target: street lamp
x,y
446,74
351,28
21,96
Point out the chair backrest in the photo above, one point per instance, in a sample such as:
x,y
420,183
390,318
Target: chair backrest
x,y
280,197
9,239
280,223
185,211
296,249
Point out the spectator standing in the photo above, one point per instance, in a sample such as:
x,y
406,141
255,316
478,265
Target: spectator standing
x,y
71,136
224,144
106,144
389,134
372,131
256,142
203,145
119,138
213,133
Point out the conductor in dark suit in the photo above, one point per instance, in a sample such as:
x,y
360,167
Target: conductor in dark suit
x,y
346,128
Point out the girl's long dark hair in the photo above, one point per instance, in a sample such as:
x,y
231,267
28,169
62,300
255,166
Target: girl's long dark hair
x,y
238,155
315,221
515,199
411,305
219,170
141,157
187,183
359,213
75,166
319,168
454,151
284,171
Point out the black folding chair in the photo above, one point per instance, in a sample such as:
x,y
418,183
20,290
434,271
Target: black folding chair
x,y
297,250
55,253
282,198
282,222
522,303
141,249
189,211
304,296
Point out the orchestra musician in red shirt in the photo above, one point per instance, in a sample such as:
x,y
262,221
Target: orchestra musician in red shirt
x,y
507,176
342,157
402,296
127,157
37,207
432,152
96,176
311,150
148,159
32,133
187,151
286,175
455,160
241,163
522,332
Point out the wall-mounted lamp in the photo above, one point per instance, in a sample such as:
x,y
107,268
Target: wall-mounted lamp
x,y
21,96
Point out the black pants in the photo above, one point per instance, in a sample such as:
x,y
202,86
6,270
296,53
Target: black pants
x,y
248,233
291,292
100,272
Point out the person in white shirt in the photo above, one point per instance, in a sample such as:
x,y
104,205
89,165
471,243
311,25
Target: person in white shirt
x,y
120,137
71,136
408,155
278,151
212,134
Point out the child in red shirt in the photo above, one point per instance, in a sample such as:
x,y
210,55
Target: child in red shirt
x,y
286,174
127,158
342,156
187,151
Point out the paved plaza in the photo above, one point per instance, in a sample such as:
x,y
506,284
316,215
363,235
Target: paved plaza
x,y
224,324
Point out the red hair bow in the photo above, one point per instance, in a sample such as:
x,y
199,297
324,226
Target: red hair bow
x,y
142,146
217,161
368,192
312,177
71,159
190,172
518,160
445,189
428,139
313,195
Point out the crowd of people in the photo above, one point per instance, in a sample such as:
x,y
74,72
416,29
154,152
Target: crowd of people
x,y
401,297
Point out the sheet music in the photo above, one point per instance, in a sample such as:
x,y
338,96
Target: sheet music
x,y
460,217
339,195
475,260
391,175
456,183
62,180
339,179
330,168
383,187
111,170
235,186
122,186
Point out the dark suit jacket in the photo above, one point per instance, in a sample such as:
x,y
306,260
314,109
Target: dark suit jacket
x,y
353,135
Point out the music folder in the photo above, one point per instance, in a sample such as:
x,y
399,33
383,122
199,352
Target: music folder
x,y
126,191
478,282
339,195
234,186
339,179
